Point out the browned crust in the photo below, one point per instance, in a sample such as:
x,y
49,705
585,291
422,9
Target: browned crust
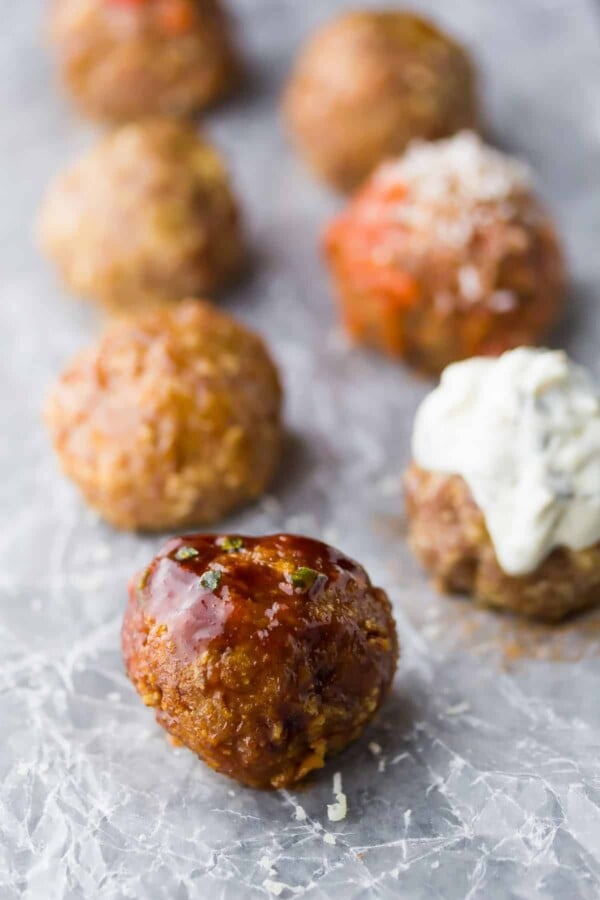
x,y
118,66
518,258
146,216
171,419
448,535
367,84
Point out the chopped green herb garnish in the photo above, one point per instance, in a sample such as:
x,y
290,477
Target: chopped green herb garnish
x,y
211,579
304,578
185,553
231,544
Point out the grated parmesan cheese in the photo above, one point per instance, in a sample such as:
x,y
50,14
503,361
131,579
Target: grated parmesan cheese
x,y
337,811
469,283
461,166
454,187
265,863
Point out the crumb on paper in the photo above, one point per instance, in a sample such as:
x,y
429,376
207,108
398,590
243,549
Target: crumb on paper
x,y
375,748
299,813
265,863
278,887
458,709
329,838
435,864
337,810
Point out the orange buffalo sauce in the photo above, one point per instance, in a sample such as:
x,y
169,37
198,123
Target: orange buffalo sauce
x,y
376,289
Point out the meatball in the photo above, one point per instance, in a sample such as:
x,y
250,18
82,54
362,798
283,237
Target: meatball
x,y
445,254
125,59
448,534
171,419
263,655
369,83
145,216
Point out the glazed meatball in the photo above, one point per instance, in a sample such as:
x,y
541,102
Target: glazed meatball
x,y
369,83
125,59
262,655
147,215
504,492
445,254
449,536
171,419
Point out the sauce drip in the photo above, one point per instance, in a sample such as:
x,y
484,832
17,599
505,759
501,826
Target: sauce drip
x,y
253,593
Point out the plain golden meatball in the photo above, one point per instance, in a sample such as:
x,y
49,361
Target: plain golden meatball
x,y
126,59
147,215
171,419
446,253
448,534
263,655
367,84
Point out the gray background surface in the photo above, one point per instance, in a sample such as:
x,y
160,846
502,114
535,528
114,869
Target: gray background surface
x,y
487,784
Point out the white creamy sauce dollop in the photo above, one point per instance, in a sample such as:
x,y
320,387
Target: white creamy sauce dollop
x,y
523,431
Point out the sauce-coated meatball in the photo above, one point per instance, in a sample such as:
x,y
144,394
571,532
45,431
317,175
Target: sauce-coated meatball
x,y
448,534
369,83
125,59
262,655
446,253
171,419
147,215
